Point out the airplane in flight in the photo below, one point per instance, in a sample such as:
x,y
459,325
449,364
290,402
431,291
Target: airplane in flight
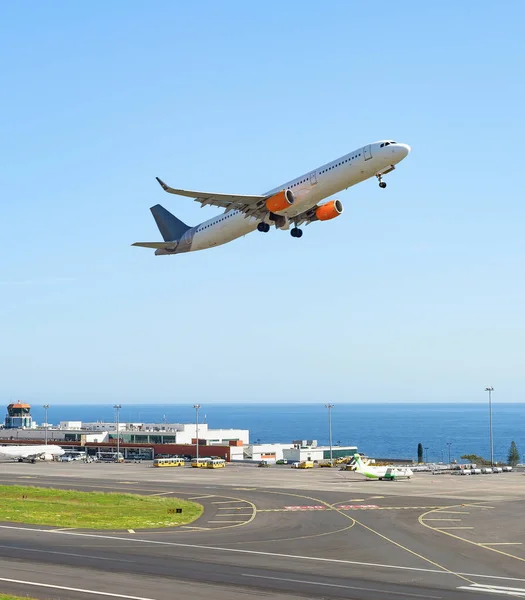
x,y
391,473
289,205
31,453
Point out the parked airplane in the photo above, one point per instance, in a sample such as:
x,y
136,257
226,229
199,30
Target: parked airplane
x,y
380,473
294,203
31,453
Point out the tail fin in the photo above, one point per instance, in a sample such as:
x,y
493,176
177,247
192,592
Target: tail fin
x,y
358,462
169,226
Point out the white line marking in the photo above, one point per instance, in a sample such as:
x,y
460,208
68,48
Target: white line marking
x,y
226,521
346,587
228,501
197,497
498,587
65,553
162,494
235,515
500,543
131,531
442,519
71,589
440,528
516,592
254,552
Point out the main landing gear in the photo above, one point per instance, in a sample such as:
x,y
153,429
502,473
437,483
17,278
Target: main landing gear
x,y
296,232
263,227
382,184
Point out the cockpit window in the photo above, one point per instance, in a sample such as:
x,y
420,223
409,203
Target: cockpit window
x,y
381,145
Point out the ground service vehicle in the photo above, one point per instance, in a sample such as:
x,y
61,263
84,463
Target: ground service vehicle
x,y
168,462
216,463
200,462
110,457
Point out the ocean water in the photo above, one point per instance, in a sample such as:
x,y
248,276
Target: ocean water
x,y
388,430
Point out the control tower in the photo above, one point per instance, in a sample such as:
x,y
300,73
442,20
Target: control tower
x,y
18,416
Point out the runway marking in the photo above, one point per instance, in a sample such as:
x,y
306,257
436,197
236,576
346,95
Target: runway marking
x,y
64,553
128,540
442,519
336,585
72,589
500,543
131,531
494,589
127,482
230,508
197,497
317,507
226,521
455,512
441,528
421,520
162,494
234,515
228,501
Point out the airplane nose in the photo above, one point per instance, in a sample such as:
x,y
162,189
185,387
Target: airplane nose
x,y
404,149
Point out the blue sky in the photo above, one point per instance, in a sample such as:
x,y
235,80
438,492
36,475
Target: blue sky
x,y
415,294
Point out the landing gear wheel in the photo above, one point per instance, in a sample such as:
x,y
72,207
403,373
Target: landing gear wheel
x,y
382,184
263,227
296,232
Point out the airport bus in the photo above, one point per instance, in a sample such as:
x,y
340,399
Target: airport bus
x,y
168,462
200,462
216,463
110,457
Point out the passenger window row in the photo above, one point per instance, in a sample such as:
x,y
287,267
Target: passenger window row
x,y
339,164
230,214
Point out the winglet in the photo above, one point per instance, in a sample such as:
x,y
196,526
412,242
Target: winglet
x,y
162,184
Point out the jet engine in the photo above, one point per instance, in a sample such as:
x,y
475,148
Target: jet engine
x,y
329,210
280,201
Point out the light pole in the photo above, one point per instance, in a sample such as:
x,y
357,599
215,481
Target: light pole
x,y
46,408
117,408
196,407
329,407
490,389
449,459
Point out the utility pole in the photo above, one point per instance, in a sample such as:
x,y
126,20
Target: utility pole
x,y
196,407
46,408
329,407
490,389
117,408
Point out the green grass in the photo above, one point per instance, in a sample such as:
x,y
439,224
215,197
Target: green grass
x,y
4,597
94,510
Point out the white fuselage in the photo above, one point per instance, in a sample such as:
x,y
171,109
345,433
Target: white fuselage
x,y
31,452
309,189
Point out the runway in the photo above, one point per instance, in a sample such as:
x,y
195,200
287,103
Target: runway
x,y
278,533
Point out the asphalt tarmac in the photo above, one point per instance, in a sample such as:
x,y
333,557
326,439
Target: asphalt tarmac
x,y
280,533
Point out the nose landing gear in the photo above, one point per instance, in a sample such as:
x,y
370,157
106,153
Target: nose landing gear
x,y
296,232
382,184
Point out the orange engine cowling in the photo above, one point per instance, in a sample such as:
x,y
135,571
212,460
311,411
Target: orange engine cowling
x,y
280,201
329,210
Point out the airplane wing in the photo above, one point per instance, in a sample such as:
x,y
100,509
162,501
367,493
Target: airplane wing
x,y
251,205
308,216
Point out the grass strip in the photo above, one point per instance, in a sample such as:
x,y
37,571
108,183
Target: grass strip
x,y
93,510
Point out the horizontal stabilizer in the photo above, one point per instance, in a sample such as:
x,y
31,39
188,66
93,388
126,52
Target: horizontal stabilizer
x,y
163,245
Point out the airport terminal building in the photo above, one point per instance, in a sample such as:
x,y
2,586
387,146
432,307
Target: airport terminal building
x,y
148,440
